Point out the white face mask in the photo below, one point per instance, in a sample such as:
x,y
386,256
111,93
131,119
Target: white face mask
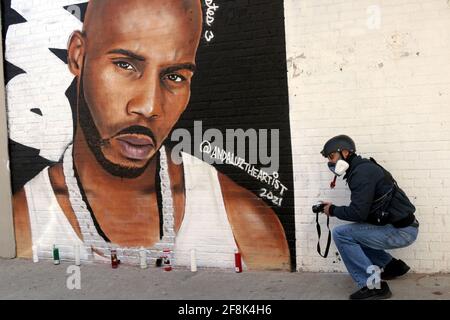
x,y
339,168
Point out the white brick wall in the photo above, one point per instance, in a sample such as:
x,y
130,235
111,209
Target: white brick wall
x,y
48,25
389,88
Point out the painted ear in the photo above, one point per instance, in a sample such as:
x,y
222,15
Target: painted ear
x,y
76,53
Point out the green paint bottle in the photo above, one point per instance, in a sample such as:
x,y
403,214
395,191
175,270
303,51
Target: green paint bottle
x,y
56,260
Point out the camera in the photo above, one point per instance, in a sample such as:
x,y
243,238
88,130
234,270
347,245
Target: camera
x,y
318,208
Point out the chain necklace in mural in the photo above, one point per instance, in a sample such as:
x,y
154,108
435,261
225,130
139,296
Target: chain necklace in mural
x,y
94,239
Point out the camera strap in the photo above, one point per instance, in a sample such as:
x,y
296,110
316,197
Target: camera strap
x,y
319,233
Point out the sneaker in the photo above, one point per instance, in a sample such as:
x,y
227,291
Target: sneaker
x,y
394,269
372,294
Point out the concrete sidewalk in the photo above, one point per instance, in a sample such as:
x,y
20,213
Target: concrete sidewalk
x,y
21,279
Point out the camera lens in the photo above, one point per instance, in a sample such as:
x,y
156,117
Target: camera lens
x,y
318,208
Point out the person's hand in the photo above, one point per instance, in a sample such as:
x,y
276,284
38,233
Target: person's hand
x,y
326,209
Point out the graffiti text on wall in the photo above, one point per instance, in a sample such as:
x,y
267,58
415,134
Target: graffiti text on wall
x,y
210,12
230,158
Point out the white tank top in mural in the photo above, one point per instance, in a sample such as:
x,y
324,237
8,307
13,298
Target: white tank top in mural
x,y
205,226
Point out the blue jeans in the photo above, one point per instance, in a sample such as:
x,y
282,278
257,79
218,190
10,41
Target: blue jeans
x,y
362,245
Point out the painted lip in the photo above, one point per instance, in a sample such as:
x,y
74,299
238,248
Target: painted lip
x,y
136,147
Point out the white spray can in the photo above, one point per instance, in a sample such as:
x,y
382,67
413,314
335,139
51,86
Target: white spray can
x,y
193,260
77,255
143,258
35,254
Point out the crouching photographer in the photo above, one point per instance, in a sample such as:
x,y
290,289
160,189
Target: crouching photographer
x,y
383,219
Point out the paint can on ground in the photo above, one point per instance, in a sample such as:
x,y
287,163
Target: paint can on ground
x,y
35,254
76,249
193,260
114,260
238,261
56,260
143,258
166,260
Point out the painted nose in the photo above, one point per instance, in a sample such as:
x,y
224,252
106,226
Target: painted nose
x,y
147,100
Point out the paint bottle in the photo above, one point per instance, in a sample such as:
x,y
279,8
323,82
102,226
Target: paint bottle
x,y
56,260
114,259
166,260
238,261
35,254
143,258
77,255
193,261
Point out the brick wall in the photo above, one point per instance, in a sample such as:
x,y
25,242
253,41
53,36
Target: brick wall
x,y
378,71
375,70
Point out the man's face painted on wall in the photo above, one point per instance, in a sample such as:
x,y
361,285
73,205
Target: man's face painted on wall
x,y
135,64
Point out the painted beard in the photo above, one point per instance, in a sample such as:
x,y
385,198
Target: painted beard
x,y
95,142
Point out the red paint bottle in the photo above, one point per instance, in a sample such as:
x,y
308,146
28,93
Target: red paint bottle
x,y
166,260
114,259
238,261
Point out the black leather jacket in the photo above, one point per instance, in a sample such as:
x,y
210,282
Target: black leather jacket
x,y
368,182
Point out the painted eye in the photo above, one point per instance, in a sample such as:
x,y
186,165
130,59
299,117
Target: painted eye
x,y
125,65
175,78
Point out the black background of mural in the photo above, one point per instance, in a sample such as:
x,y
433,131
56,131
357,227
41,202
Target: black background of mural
x,y
241,83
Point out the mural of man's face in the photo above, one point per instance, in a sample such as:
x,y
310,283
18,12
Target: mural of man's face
x,y
134,62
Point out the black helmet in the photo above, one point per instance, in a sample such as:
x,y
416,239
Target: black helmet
x,y
337,144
